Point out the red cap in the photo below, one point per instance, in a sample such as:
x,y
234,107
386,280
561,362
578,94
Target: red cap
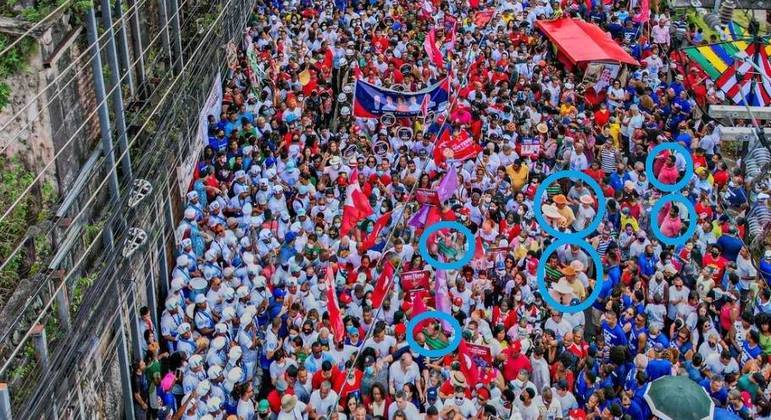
x,y
577,414
516,347
400,329
457,301
345,298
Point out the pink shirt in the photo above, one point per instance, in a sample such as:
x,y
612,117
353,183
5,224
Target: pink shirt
x,y
660,34
668,174
671,226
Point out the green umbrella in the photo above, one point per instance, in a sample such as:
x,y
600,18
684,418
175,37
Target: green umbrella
x,y
679,398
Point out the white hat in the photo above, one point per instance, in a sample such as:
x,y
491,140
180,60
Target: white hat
x,y
213,405
259,281
171,304
192,194
220,328
235,375
219,342
563,287
210,255
186,243
202,389
334,160
767,254
182,261
242,292
228,293
234,353
228,313
183,328
248,258
228,271
200,298
214,372
278,189
189,214
195,361
177,284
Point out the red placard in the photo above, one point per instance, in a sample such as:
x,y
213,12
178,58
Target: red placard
x,y
478,351
426,196
414,280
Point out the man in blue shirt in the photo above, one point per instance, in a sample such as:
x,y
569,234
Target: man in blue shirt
x,y
730,244
765,267
612,333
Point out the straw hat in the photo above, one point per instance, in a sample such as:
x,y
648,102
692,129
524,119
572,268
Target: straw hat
x,y
551,212
587,199
542,128
288,403
458,379
562,287
560,199
569,270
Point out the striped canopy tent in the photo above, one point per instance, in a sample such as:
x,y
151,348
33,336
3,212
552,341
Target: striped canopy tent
x,y
728,65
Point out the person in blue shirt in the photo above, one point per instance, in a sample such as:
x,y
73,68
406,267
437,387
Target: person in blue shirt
x,y
631,408
682,342
647,262
618,178
612,333
694,366
751,347
730,244
716,389
764,267
658,366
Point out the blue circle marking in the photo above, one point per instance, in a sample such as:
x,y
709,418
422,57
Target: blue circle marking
x,y
470,246
679,185
451,346
575,175
541,276
692,216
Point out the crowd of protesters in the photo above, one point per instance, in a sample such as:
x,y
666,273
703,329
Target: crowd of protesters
x,y
246,329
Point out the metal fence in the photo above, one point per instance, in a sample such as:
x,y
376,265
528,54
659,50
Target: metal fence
x,y
61,362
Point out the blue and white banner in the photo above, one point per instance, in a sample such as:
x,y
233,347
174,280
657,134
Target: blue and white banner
x,y
371,101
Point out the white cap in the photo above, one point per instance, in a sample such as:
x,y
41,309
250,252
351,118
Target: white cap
x,y
260,281
234,353
213,405
242,292
235,375
220,328
182,261
228,293
183,328
189,214
202,389
177,284
195,361
219,342
246,320
171,304
214,372
228,313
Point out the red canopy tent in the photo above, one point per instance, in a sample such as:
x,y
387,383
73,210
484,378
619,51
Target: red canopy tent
x,y
579,43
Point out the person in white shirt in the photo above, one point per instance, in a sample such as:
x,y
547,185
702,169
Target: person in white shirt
x,y
407,409
465,406
291,409
551,408
323,400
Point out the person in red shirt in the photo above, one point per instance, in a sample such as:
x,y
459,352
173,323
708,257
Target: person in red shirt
x,y
715,260
329,373
602,116
274,396
515,361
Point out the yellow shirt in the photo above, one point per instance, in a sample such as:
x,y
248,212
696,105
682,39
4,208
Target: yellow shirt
x,y
630,220
615,132
567,213
518,178
578,288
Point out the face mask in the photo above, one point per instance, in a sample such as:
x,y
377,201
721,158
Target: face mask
x,y
379,173
458,401
369,371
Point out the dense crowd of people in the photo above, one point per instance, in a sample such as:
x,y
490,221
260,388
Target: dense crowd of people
x,y
267,256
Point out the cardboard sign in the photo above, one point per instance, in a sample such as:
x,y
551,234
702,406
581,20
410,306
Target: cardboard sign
x,y
414,280
426,196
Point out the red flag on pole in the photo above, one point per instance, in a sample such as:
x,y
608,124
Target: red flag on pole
x,y
356,206
383,284
434,54
380,224
483,18
333,309
467,366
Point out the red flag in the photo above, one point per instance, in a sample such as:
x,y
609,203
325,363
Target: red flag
x,y
483,18
333,309
467,366
383,284
357,73
434,54
356,206
380,224
479,251
645,11
473,4
418,307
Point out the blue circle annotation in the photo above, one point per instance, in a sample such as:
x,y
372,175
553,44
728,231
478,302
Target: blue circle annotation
x,y
451,346
541,276
679,185
575,175
454,265
692,219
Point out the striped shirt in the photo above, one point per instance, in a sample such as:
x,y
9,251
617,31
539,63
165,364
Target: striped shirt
x,y
608,160
553,273
553,189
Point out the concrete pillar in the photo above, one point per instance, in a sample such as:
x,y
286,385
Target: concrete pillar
x,y
176,36
123,47
63,309
41,345
165,29
136,37
5,402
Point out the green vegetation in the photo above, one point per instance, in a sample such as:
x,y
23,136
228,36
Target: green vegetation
x,y
14,180
80,288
